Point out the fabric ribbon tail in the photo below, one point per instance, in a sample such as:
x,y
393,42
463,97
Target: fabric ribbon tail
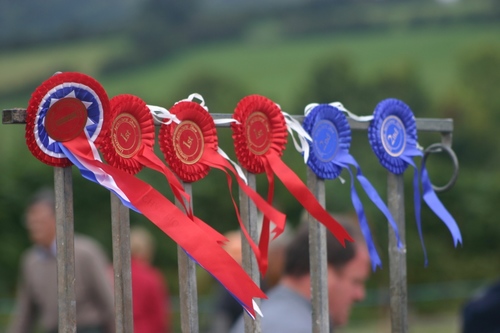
x,y
269,212
438,208
174,223
149,159
213,159
417,204
375,198
266,225
363,223
303,195
97,176
250,307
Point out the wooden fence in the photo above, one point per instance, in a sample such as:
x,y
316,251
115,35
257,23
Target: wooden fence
x,y
187,277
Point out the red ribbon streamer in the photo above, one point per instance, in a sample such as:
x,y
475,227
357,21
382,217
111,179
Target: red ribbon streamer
x,y
173,222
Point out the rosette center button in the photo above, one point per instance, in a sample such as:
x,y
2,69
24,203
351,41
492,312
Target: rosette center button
x,y
258,133
66,119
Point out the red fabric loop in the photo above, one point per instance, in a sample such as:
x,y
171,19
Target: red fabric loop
x,y
257,113
38,97
131,131
201,136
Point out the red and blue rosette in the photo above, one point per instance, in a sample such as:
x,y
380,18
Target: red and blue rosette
x,y
67,117
329,155
260,136
59,110
189,144
393,137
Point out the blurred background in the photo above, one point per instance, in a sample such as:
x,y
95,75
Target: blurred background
x,y
442,57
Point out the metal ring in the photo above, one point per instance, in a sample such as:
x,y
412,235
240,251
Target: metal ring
x,y
438,148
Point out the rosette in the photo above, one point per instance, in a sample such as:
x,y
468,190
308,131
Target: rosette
x,y
393,138
329,154
59,110
260,136
190,147
131,133
67,115
129,147
183,144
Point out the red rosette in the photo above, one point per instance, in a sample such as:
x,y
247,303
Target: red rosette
x,y
131,132
261,131
184,144
59,110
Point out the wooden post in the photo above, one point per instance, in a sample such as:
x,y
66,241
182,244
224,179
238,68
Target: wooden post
x,y
65,249
120,231
318,260
398,295
249,217
188,290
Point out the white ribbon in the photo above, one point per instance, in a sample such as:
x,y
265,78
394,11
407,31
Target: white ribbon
x,y
223,121
293,125
256,308
351,115
236,165
195,97
162,115
340,107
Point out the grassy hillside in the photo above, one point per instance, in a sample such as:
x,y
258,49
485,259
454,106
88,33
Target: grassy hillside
x,y
275,68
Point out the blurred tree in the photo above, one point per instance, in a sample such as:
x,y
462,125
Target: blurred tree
x,y
332,78
160,27
400,81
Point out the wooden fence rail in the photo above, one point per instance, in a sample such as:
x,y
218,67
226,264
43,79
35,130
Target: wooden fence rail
x,y
187,277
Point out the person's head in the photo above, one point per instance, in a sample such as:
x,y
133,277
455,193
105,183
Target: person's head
x,y
141,244
40,218
233,245
348,269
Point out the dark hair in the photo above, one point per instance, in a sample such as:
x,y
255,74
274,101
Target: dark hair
x,y
297,252
43,196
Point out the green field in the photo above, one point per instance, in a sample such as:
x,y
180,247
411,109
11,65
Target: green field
x,y
275,68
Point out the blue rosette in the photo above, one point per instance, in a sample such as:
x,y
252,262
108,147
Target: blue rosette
x,y
393,137
329,155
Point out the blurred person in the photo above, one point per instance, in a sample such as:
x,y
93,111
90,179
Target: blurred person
x,y
481,314
37,298
150,298
227,309
288,308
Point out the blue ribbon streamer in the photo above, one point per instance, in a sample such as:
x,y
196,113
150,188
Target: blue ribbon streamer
x,y
329,154
393,118
97,177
